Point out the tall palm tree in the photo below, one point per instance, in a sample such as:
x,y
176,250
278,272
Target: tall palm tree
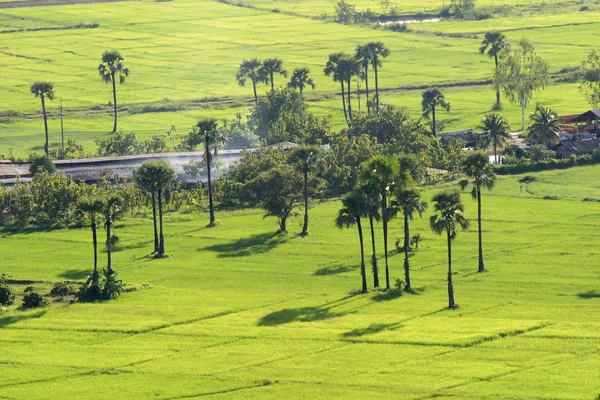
x,y
378,53
382,172
159,175
365,57
481,174
495,133
306,158
332,68
111,208
92,207
544,126
272,66
493,43
300,79
374,196
111,67
355,207
448,218
349,68
251,69
43,90
208,128
144,182
408,201
431,100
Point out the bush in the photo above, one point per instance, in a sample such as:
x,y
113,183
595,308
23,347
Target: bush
x,y
33,299
113,287
61,289
7,297
41,162
88,292
551,197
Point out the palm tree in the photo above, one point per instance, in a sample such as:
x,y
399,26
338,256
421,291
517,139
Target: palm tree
x,y
494,43
448,218
306,159
495,133
271,67
349,68
544,126
92,207
43,90
251,69
433,98
111,208
111,67
156,176
378,53
365,57
408,201
374,196
355,207
208,128
478,168
144,182
382,172
300,79
332,68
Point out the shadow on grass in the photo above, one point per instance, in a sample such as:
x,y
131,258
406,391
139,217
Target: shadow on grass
x,y
371,330
75,274
256,244
333,270
388,295
15,229
589,295
5,321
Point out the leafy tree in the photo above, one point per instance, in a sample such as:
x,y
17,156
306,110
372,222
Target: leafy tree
x,y
300,79
521,73
431,99
119,144
112,207
482,175
252,70
355,206
208,128
492,44
41,163
544,126
112,67
272,66
93,208
539,153
378,53
408,202
279,191
306,159
345,12
590,73
43,90
494,133
374,197
447,219
334,69
365,57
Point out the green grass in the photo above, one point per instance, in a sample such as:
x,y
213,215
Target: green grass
x,y
239,313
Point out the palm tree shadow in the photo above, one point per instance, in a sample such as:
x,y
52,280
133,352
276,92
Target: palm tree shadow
x,y
332,270
389,295
592,294
75,274
12,319
305,314
372,329
256,244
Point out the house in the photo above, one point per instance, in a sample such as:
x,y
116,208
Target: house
x,y
577,147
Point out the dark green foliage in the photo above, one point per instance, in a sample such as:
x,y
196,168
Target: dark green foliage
x,y
113,286
61,289
41,163
122,144
7,297
587,159
33,299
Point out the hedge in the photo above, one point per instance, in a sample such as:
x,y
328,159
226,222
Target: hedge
x,y
586,159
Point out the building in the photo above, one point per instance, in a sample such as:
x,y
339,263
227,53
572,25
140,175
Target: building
x,y
578,147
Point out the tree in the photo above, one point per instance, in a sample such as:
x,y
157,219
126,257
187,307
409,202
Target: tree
x,y
41,163
345,12
481,174
355,207
111,67
43,90
448,218
300,79
349,68
378,53
365,57
333,68
271,67
590,74
494,133
408,201
279,191
208,129
521,73
112,207
251,69
431,99
306,158
155,175
374,196
493,43
544,126
382,171
92,207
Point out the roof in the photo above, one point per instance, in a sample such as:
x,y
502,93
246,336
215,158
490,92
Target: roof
x,y
10,170
567,119
579,146
588,115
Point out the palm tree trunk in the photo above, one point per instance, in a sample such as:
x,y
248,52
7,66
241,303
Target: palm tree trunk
x,y
498,105
156,247
349,99
495,153
305,227
211,206
114,101
376,86
272,83
434,127
367,87
45,123
161,243
255,94
450,285
108,246
522,116
481,266
301,91
385,238
363,271
95,242
344,101
406,248
374,255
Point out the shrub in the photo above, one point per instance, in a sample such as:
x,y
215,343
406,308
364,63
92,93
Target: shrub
x,y
551,198
61,289
33,299
113,287
88,292
39,162
7,297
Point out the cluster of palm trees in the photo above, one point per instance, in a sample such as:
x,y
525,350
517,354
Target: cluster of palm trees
x,y
386,191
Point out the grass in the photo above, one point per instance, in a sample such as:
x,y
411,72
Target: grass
x,y
237,312
186,61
